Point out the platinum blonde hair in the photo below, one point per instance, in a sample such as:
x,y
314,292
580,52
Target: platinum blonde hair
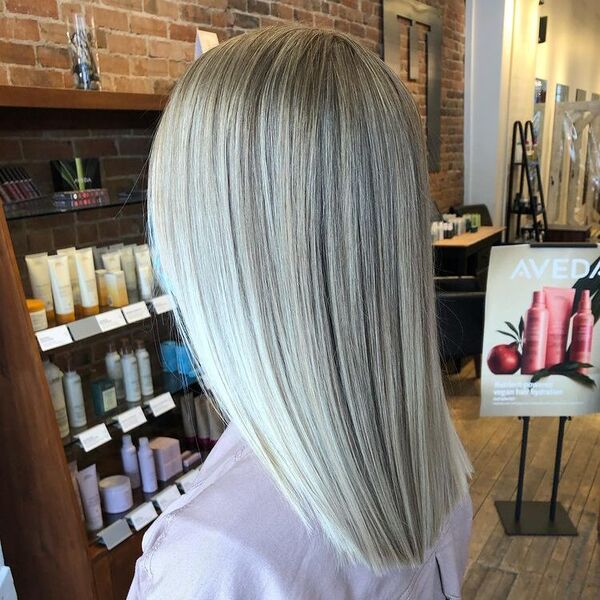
x,y
289,218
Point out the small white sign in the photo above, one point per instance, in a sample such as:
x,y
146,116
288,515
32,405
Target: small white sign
x,y
130,419
162,304
142,515
54,337
205,40
161,404
94,437
113,319
188,481
136,312
164,499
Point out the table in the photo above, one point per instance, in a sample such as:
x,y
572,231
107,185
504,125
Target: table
x,y
468,253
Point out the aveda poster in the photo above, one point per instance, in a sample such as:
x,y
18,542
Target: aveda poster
x,y
541,346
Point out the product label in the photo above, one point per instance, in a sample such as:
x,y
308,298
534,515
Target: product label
x,y
162,304
114,534
163,499
109,399
188,481
161,404
131,419
110,320
94,437
136,312
141,516
54,337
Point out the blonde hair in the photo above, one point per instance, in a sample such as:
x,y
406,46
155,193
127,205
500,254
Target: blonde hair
x,y
289,219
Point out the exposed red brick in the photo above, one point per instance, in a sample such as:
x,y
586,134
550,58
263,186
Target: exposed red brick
x,y
149,66
51,56
113,63
148,26
185,33
16,54
162,8
43,8
19,29
110,18
126,44
51,31
195,13
28,76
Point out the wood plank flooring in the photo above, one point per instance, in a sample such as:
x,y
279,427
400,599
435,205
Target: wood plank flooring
x,y
528,568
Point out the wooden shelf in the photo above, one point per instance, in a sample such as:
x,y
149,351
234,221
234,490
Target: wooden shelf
x,y
72,99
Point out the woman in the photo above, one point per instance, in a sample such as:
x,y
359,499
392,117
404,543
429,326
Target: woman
x,y
289,220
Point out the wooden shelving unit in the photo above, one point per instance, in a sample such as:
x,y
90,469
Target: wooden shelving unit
x,y
41,528
45,108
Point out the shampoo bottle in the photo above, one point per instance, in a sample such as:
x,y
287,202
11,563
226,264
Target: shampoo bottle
x,y
147,467
114,370
74,398
54,376
535,335
130,462
131,376
583,330
145,370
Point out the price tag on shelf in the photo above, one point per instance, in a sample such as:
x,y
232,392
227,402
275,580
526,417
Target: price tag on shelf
x,y
114,534
141,516
188,481
161,404
94,437
162,304
130,419
136,312
110,320
54,337
164,499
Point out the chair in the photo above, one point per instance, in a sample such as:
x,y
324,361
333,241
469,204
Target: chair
x,y
478,209
460,311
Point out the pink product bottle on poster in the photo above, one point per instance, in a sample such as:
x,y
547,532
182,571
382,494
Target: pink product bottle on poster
x,y
535,335
583,330
559,302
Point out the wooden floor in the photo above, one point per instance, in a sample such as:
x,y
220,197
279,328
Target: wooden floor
x,y
528,567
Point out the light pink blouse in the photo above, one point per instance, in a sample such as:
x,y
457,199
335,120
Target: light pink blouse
x,y
234,537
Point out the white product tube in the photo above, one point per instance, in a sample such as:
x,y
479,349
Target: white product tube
x,y
116,290
131,377
101,287
147,466
146,282
111,261
90,497
144,271
70,253
84,262
129,459
128,266
201,407
98,252
39,276
61,289
145,370
74,399
54,377
114,370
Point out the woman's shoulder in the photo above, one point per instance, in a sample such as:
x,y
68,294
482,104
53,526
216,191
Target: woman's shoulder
x,y
224,539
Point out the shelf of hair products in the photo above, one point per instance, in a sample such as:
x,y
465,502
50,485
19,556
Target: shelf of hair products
x,y
133,413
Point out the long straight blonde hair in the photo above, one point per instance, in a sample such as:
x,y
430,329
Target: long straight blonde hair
x,y
289,219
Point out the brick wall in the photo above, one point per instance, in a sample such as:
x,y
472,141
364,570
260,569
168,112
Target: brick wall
x,y
144,45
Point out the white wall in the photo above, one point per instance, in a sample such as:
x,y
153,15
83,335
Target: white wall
x,y
570,56
500,62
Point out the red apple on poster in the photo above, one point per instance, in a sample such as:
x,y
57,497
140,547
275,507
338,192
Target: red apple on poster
x,y
504,359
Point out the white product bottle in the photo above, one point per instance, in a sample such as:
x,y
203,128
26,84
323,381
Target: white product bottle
x,y
147,467
131,376
145,370
74,398
130,462
114,370
54,376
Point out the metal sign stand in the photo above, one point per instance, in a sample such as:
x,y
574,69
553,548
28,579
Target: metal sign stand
x,y
536,518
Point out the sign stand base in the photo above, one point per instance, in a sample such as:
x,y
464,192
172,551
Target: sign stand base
x,y
534,519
